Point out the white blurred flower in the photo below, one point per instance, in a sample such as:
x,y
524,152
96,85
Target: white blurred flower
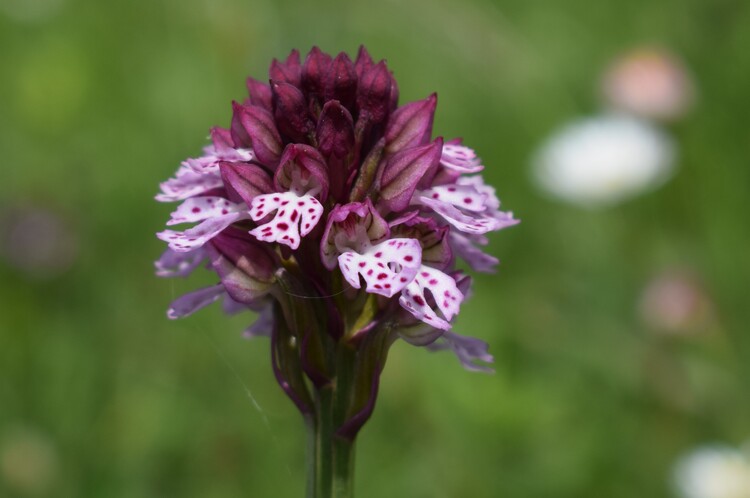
x,y
674,301
650,83
29,462
713,472
603,160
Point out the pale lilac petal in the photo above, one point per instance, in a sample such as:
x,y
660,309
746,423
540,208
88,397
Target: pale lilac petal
x,y
466,197
193,301
460,158
179,264
263,324
444,291
195,237
188,183
465,247
203,208
472,222
295,217
468,350
232,307
386,267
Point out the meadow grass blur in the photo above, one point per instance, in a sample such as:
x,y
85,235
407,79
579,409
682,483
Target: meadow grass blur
x,y
99,101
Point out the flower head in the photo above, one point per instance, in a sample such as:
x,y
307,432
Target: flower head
x,y
326,206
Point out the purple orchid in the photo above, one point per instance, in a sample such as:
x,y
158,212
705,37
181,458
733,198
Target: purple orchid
x,y
335,215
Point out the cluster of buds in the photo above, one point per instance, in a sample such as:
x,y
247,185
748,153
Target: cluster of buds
x,y
334,214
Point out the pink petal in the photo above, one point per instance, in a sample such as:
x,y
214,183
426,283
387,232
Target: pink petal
x,y
295,217
465,197
386,267
195,237
460,158
202,208
188,183
193,301
179,264
472,222
444,291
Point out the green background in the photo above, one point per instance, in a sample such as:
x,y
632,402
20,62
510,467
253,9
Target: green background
x,y
101,100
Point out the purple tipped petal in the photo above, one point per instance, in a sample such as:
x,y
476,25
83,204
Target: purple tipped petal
x,y
341,81
387,267
179,264
461,159
193,301
254,127
290,111
468,350
472,222
295,217
444,291
245,181
260,94
411,124
354,226
404,171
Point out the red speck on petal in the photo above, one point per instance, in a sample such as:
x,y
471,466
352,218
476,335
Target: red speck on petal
x,y
433,282
369,272
419,300
381,276
196,210
224,211
403,279
408,258
282,226
378,254
362,264
467,200
311,210
435,195
294,216
451,189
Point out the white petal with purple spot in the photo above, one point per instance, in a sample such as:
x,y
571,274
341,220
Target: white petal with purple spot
x,y
296,215
202,208
444,291
386,267
195,237
460,158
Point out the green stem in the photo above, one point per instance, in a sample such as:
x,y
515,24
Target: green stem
x,y
330,457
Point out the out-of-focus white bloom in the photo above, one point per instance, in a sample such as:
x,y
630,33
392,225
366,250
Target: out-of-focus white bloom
x,y
603,160
675,302
29,462
713,472
650,83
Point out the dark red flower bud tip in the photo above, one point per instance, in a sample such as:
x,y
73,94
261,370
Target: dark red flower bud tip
x,y
290,111
374,93
314,71
288,71
341,81
335,130
260,93
364,61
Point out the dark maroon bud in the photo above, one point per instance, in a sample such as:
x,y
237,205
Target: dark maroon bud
x,y
290,110
411,124
303,167
404,171
260,94
335,130
341,81
254,127
374,93
364,61
244,181
289,71
314,72
394,94
246,266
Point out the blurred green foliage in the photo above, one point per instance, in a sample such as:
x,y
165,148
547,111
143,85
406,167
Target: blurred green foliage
x,y
99,101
